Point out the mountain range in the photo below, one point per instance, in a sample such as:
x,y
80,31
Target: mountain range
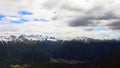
x,y
36,37
24,37
35,49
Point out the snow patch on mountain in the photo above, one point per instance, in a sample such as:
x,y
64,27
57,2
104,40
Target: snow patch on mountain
x,y
24,37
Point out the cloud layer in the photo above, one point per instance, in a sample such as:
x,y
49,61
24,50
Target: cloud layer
x,y
61,18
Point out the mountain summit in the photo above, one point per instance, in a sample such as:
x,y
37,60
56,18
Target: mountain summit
x,y
24,37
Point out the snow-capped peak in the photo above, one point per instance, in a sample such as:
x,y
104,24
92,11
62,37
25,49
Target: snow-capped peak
x,y
24,37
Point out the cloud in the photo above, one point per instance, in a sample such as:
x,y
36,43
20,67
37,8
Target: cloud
x,y
51,4
64,18
81,22
90,20
114,25
84,13
8,28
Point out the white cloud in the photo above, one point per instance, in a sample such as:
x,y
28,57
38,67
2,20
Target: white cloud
x,y
85,14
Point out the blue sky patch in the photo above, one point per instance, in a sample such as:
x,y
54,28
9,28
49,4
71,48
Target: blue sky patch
x,y
1,16
24,20
23,12
100,28
19,21
41,20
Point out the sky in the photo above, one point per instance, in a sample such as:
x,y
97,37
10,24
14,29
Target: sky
x,y
61,18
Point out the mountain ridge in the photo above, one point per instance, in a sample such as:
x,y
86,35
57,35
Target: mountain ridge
x,y
24,37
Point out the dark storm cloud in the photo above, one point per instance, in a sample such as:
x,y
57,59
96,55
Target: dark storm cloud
x,y
114,25
86,14
96,13
80,22
107,16
88,20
